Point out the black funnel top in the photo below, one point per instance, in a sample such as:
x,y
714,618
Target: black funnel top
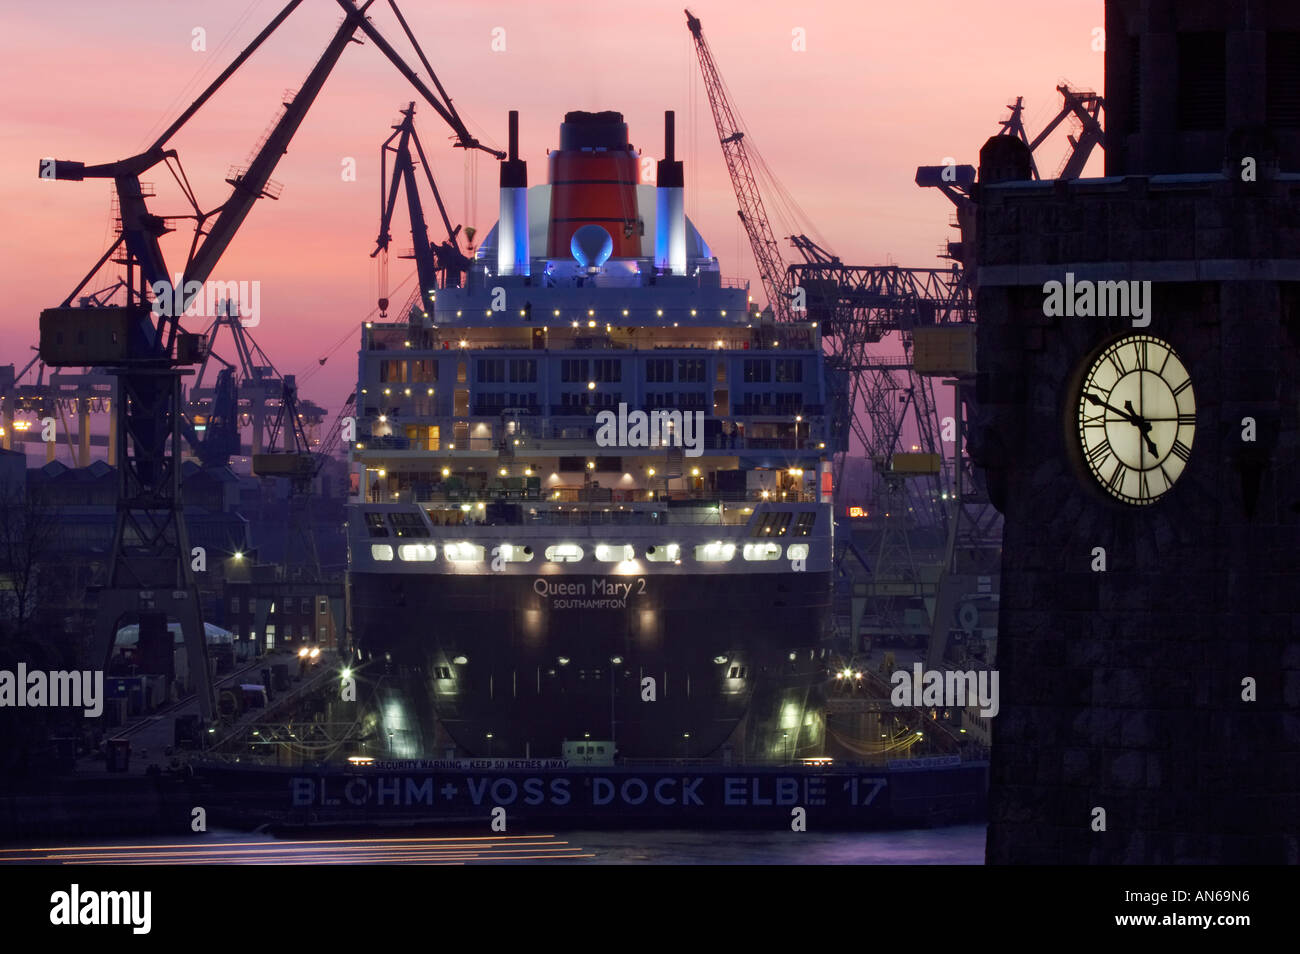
x,y
582,130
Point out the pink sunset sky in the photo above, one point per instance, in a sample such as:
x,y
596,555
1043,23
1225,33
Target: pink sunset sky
x,y
880,89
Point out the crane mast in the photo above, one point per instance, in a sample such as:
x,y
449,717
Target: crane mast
x,y
431,260
767,255
150,572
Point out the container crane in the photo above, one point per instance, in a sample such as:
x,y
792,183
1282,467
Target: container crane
x,y
145,347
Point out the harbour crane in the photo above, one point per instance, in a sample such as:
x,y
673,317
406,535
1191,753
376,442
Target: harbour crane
x,y
143,344
437,266
767,254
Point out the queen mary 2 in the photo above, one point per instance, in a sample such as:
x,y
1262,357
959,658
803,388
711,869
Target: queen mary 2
x,y
592,491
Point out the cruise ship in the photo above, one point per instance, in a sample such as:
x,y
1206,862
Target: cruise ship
x,y
591,504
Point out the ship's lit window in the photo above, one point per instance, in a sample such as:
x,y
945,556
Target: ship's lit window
x,y
563,553
796,551
417,552
607,553
463,552
381,551
716,552
762,551
664,553
512,553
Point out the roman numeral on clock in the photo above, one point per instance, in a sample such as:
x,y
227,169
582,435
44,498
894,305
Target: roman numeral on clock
x,y
1116,479
1182,387
1099,453
1181,451
1186,419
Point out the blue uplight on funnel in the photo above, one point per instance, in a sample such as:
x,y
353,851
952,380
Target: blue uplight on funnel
x,y
591,246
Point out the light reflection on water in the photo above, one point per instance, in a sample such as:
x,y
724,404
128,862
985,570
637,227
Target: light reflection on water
x,y
958,845
961,845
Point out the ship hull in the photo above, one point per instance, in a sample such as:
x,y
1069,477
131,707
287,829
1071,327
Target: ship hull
x,y
517,665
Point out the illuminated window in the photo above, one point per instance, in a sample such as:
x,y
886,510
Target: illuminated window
x,y
512,553
417,552
606,553
716,552
463,552
381,551
563,553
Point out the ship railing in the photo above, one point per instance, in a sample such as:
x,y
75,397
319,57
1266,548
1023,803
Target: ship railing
x,y
542,443
598,497
418,341
777,410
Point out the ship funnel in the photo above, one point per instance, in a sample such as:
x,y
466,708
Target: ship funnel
x,y
670,218
512,222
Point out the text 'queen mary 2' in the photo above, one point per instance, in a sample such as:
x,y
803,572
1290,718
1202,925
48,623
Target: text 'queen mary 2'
x,y
592,498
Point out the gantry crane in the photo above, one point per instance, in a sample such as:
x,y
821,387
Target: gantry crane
x,y
143,344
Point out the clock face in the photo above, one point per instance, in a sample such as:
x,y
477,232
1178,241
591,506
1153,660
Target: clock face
x,y
1136,418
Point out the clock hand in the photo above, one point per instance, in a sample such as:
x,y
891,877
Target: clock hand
x,y
1142,425
1130,415
1098,402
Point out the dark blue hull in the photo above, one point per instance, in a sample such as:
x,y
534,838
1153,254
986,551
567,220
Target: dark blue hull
x,y
920,793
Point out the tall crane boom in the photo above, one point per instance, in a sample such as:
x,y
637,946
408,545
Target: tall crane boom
x,y
250,185
431,260
150,575
767,255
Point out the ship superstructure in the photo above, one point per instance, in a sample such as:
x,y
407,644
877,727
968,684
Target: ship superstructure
x,y
591,490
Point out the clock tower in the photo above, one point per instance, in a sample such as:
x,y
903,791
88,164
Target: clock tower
x,y
1137,416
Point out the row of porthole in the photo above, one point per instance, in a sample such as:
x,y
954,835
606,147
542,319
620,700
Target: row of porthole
x,y
715,552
